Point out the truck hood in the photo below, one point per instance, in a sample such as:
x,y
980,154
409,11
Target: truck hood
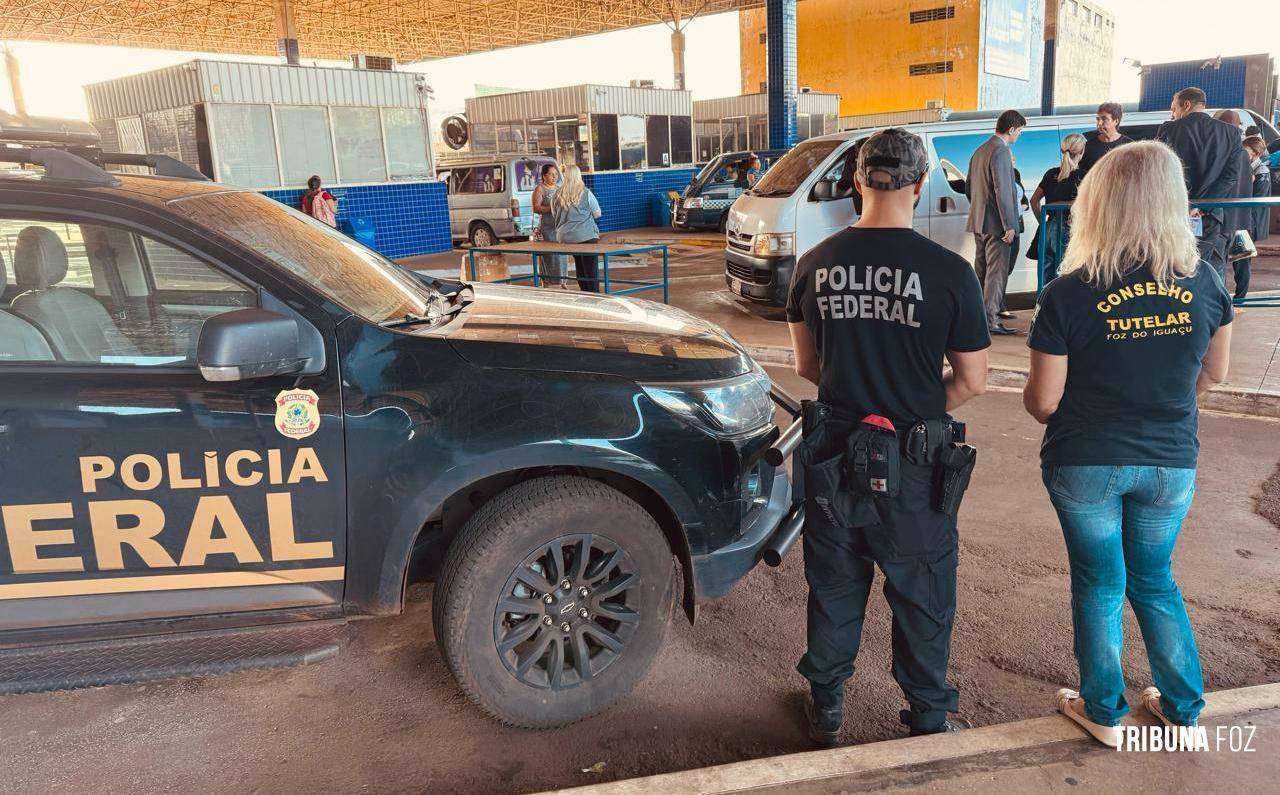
x,y
551,330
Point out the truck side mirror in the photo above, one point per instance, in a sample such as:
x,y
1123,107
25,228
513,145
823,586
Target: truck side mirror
x,y
249,343
824,190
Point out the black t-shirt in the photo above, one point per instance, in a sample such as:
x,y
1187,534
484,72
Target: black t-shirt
x,y
1064,191
883,306
1095,148
1134,353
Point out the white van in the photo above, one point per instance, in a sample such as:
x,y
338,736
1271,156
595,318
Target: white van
x,y
798,204
491,199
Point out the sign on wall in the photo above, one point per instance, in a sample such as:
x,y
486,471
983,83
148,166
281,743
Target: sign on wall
x,y
1008,38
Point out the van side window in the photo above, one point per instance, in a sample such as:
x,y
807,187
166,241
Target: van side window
x,y
101,295
479,179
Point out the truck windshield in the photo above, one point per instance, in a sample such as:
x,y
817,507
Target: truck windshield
x,y
352,276
787,174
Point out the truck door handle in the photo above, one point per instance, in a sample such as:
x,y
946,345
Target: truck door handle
x,y
946,204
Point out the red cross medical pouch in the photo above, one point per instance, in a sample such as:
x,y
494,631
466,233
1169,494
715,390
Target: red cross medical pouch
x,y
874,458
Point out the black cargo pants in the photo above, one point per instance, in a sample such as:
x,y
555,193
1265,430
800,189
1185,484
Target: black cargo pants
x,y
916,549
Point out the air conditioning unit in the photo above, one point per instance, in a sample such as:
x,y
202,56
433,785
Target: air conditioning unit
x,y
934,104
377,63
806,90
643,84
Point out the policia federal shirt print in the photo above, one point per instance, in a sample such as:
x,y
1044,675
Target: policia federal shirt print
x,y
884,306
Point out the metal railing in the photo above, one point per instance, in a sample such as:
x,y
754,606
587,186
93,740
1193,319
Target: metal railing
x,y
1059,229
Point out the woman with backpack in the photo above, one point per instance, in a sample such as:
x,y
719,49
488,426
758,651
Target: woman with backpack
x,y
319,203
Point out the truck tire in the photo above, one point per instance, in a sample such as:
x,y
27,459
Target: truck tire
x,y
529,651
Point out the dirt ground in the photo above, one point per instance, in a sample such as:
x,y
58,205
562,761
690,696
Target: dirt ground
x,y
385,716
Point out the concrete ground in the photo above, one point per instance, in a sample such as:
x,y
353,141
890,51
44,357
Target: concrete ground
x,y
385,716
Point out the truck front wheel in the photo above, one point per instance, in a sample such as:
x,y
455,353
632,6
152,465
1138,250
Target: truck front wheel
x,y
554,600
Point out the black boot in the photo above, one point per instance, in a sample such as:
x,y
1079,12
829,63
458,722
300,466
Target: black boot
x,y
823,723
949,725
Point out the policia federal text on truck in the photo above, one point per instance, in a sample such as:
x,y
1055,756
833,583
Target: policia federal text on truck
x,y
225,429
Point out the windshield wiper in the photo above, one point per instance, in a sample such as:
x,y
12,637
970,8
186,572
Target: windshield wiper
x,y
771,193
435,312
406,320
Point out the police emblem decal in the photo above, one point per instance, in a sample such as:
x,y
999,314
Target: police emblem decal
x,y
297,413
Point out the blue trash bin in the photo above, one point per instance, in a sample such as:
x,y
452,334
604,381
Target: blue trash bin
x,y
659,209
359,228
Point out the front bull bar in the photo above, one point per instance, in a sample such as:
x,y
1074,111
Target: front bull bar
x,y
784,538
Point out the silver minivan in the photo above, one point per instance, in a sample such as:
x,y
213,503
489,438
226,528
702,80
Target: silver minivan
x,y
802,201
491,198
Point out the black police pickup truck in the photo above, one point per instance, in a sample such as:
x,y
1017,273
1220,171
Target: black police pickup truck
x,y
226,429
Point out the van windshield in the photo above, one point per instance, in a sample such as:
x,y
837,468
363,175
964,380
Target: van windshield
x,y
794,167
352,276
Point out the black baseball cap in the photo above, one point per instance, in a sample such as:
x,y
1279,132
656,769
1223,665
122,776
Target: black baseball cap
x,y
892,159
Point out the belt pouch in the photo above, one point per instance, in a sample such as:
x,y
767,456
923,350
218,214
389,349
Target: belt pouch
x,y
874,458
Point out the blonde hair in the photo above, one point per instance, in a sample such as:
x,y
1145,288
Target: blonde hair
x,y
1072,151
1256,146
1132,211
572,188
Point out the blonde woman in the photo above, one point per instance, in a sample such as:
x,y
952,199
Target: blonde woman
x,y
575,211
1058,185
1122,343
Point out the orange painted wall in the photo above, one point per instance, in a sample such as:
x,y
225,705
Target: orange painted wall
x,y
861,50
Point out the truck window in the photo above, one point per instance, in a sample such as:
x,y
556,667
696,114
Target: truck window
x,y
794,168
79,274
102,295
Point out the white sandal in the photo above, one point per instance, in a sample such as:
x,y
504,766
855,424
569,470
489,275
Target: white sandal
x,y
1151,700
1107,735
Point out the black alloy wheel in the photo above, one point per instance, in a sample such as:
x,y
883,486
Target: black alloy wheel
x,y
564,616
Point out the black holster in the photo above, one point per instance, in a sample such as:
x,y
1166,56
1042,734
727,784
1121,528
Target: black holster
x,y
951,476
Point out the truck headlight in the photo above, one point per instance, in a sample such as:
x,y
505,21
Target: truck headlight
x,y
693,203
725,409
768,244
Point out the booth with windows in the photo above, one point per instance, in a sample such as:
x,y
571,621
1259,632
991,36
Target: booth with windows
x,y
630,143
270,127
735,124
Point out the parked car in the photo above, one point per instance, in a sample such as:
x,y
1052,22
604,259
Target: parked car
x,y
226,430
801,201
491,198
705,203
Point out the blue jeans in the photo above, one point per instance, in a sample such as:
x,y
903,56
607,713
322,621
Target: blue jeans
x,y
1120,524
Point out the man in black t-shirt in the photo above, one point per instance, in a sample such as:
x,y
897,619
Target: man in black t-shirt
x,y
873,311
1105,138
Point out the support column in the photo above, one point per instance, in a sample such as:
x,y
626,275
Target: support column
x,y
287,31
677,57
780,35
15,83
1050,57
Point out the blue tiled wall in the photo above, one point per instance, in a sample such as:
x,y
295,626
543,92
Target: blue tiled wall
x,y
626,197
1223,88
409,218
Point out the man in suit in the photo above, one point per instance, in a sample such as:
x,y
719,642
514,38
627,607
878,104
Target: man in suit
x,y
1210,153
994,214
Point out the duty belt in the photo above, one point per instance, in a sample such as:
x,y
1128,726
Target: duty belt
x,y
923,439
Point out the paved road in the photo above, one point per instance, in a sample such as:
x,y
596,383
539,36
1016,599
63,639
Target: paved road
x,y
385,717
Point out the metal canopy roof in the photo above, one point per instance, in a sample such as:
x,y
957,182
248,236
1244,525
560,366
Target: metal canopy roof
x,y
408,30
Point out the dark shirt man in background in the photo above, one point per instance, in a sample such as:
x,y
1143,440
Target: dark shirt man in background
x,y
873,310
1210,154
1105,138
995,214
